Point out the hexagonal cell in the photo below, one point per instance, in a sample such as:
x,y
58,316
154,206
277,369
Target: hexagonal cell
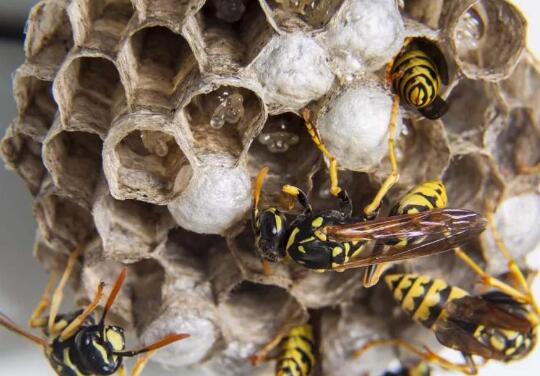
x,y
23,155
48,38
170,12
143,161
260,310
472,180
487,36
425,11
62,222
519,89
73,160
130,230
35,104
284,146
156,61
146,280
88,90
99,24
231,41
222,121
474,106
294,15
516,147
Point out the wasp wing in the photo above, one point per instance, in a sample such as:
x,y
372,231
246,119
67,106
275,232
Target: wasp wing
x,y
438,231
480,310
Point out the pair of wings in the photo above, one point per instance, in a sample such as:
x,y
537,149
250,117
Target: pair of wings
x,y
478,310
435,231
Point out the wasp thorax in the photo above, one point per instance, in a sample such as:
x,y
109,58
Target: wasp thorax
x,y
272,231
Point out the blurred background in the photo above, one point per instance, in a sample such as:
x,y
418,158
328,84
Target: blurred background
x,y
22,278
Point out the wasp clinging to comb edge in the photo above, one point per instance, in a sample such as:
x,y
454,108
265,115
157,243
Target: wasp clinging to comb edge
x,y
74,343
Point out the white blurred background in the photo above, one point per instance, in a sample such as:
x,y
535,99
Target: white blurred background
x,y
22,278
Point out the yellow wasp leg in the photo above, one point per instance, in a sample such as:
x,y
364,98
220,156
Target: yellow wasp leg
x,y
394,174
141,363
58,294
426,355
36,321
262,355
373,275
79,320
334,186
524,169
121,371
259,181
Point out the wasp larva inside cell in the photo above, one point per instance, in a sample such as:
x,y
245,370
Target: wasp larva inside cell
x,y
156,142
279,141
471,28
229,110
229,10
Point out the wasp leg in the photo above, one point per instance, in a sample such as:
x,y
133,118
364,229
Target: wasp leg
x,y
334,187
140,363
58,294
300,197
373,273
36,321
261,356
425,355
393,178
121,371
79,320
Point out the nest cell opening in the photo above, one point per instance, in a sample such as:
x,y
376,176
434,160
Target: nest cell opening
x,y
154,160
174,10
37,107
92,88
108,19
163,60
259,310
489,35
471,182
286,148
236,38
316,13
74,162
63,223
220,120
49,36
147,279
23,154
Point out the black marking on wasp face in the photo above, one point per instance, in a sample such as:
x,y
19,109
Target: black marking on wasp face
x,y
270,231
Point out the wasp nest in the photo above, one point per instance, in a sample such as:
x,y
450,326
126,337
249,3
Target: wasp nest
x,y
142,123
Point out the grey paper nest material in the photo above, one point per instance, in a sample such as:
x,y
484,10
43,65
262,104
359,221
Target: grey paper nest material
x,y
142,123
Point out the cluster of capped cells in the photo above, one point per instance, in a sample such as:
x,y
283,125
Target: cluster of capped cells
x,y
142,123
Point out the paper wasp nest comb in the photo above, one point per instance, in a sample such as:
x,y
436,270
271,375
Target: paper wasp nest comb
x,y
142,123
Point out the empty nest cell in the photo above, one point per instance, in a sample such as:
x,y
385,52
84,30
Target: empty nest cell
x,y
73,160
63,224
99,24
35,104
286,148
149,163
23,155
232,39
49,37
158,62
89,93
290,14
221,120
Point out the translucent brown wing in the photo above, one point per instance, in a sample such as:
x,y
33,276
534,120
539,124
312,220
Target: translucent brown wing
x,y
450,334
478,310
435,231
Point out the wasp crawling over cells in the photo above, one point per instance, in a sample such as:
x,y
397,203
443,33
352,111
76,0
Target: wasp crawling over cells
x,y
334,239
74,343
500,324
297,354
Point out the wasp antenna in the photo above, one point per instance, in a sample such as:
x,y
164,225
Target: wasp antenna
x,y
113,294
156,345
10,325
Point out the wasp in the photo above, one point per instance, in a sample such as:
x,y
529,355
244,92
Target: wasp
x,y
334,239
419,369
75,344
500,324
297,354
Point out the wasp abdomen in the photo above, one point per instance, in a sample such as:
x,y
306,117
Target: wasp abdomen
x,y
422,297
297,356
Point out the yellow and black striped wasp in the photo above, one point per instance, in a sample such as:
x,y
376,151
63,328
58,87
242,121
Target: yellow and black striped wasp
x,y
500,324
74,343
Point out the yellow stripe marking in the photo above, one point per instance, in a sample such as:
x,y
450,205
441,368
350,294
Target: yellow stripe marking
x,y
290,242
317,222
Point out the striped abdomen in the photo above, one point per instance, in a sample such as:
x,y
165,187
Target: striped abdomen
x,y
297,355
422,297
417,78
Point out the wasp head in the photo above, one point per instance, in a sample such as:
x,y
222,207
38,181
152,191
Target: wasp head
x,y
270,230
